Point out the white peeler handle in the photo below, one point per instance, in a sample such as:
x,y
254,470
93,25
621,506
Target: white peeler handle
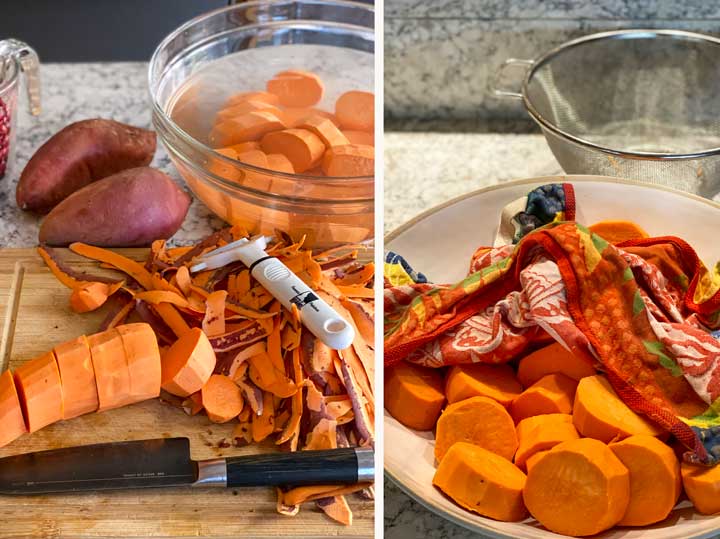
x,y
322,320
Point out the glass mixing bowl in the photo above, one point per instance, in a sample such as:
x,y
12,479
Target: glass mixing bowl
x,y
328,211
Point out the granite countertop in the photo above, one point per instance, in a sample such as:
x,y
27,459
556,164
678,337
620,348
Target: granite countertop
x,y
72,92
423,170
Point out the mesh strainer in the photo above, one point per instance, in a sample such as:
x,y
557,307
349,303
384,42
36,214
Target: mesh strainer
x,y
636,104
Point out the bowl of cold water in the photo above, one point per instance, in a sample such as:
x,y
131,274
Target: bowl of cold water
x,y
266,108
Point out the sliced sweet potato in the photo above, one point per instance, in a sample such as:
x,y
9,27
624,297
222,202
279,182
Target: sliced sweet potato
x,y
356,110
112,375
366,138
351,160
655,482
245,128
303,148
188,364
702,486
542,432
77,376
471,380
533,459
552,394
326,130
221,398
480,421
244,107
578,488
618,231
79,154
265,97
295,88
414,395
483,482
143,359
40,391
552,359
599,413
11,415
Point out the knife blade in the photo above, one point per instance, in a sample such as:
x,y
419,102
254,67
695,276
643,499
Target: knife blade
x,y
166,462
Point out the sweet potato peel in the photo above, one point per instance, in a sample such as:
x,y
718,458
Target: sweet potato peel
x,y
298,393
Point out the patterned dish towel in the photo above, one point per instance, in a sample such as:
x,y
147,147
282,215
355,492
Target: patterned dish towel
x,y
643,311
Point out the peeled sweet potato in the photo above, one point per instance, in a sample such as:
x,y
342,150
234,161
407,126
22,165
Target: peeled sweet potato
x,y
79,154
129,209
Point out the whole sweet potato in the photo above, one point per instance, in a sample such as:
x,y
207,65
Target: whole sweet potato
x,y
78,155
128,209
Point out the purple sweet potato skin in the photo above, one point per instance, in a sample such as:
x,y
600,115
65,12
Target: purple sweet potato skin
x,y
129,209
79,154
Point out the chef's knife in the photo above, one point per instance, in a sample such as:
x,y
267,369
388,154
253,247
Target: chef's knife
x,y
166,462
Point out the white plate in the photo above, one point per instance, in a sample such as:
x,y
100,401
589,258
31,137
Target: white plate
x,y
441,241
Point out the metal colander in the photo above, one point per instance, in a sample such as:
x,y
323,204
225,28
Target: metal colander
x,y
636,104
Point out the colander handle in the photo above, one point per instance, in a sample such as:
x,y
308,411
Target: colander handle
x,y
507,64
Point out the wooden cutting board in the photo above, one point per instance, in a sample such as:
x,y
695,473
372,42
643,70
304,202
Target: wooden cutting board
x,y
35,316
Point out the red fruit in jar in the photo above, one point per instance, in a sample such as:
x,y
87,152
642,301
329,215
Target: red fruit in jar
x,y
4,137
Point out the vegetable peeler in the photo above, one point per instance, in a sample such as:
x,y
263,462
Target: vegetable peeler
x,y
316,315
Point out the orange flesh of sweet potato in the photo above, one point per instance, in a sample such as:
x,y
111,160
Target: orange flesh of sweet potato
x,y
532,460
552,359
553,393
356,110
578,488
702,486
359,137
326,130
599,413
495,381
303,148
11,415
143,359
265,97
296,88
483,482
480,421
542,432
40,391
245,128
655,481
414,395
350,160
618,231
112,375
77,376
188,364
221,398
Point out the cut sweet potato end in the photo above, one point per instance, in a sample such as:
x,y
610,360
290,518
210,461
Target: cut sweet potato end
x,y
467,466
221,398
480,421
11,415
414,395
40,391
599,413
497,382
578,488
188,364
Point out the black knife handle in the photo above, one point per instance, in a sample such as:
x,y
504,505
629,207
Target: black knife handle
x,y
345,465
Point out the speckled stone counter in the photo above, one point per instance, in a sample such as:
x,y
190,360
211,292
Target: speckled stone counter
x,y
72,92
423,170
